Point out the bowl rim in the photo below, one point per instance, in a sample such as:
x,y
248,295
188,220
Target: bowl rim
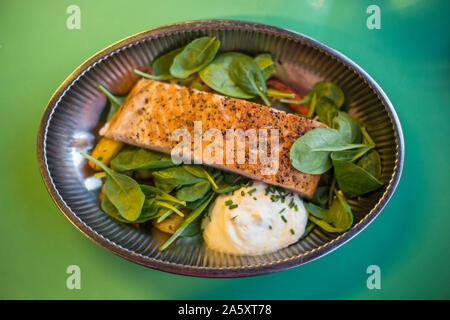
x,y
202,271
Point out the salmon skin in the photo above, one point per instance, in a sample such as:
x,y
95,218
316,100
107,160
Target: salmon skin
x,y
154,110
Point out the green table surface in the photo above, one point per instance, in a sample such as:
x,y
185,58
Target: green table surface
x,y
409,241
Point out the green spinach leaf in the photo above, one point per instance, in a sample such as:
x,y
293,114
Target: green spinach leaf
x,y
316,211
320,196
152,192
201,172
217,76
371,162
175,176
331,91
132,158
249,77
311,152
351,178
309,227
161,66
348,127
111,210
193,228
326,110
265,63
123,192
114,101
194,192
194,57
337,219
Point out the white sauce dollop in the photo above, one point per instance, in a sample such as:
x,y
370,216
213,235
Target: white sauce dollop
x,y
254,226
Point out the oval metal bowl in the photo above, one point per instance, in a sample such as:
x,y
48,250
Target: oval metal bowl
x,y
70,124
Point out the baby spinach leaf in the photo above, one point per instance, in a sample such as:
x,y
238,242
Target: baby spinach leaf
x,y
150,211
161,65
123,192
320,196
111,210
166,187
226,188
337,219
248,76
265,63
233,178
195,204
217,76
194,57
371,162
351,178
228,182
311,152
114,101
326,110
315,210
331,91
132,158
194,192
152,192
193,229
201,172
175,176
309,227
192,216
348,127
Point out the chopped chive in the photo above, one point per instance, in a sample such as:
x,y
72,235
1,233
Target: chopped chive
x,y
251,191
292,231
291,204
270,227
282,210
228,202
296,208
254,198
100,158
284,219
242,193
233,206
274,198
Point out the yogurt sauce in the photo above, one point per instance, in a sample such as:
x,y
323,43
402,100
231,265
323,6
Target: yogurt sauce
x,y
253,221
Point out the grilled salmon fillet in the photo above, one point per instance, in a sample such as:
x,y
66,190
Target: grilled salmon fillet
x,y
154,110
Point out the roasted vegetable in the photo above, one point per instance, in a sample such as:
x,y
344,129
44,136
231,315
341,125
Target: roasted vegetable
x,y
104,151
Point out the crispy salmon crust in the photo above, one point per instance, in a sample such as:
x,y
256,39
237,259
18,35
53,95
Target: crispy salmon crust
x,y
154,110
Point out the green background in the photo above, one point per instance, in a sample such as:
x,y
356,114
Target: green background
x,y
409,241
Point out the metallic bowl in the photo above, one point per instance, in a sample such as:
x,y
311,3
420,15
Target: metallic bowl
x,y
71,120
